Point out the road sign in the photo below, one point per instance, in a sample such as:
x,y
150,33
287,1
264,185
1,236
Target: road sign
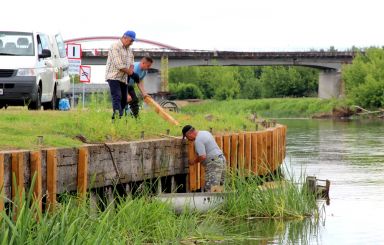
x,y
85,74
73,51
74,66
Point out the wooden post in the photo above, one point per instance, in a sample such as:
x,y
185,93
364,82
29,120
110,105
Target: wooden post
x,y
35,158
227,149
219,141
82,172
240,153
269,150
1,182
234,146
192,167
248,153
51,179
284,141
17,182
255,155
262,153
275,158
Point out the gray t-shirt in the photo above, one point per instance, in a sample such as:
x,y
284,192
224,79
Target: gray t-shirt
x,y
205,144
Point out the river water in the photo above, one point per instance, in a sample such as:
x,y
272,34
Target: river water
x,y
351,155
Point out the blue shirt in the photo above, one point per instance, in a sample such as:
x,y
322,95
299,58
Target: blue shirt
x,y
141,73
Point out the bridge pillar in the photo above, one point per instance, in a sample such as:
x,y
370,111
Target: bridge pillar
x,y
330,84
152,82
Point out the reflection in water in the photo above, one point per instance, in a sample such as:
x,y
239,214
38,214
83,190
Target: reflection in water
x,y
276,231
351,155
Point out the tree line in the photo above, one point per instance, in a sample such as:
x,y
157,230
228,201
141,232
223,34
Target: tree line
x,y
243,82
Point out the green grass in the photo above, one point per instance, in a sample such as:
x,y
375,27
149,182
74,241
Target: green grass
x,y
20,128
145,220
268,108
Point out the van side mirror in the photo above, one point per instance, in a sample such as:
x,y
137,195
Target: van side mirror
x,y
45,53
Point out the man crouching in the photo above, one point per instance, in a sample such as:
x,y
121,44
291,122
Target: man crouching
x,y
209,154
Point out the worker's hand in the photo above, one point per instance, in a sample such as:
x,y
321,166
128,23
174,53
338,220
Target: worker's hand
x,y
145,95
130,70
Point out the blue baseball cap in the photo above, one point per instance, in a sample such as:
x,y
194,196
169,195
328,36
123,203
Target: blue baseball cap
x,y
130,34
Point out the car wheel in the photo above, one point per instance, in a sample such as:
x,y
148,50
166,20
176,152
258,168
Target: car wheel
x,y
36,103
52,105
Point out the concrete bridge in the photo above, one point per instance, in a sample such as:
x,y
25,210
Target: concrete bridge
x,y
330,63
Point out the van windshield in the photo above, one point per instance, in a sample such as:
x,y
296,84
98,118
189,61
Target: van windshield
x,y
16,43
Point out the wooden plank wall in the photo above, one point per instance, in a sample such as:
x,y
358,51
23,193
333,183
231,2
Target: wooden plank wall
x,y
70,169
259,152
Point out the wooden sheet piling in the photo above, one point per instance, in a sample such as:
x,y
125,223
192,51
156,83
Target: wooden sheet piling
x,y
269,150
234,151
227,149
262,159
51,179
248,153
18,174
240,153
255,155
82,172
17,181
35,158
160,110
219,141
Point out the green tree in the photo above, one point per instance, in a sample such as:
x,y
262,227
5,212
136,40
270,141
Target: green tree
x,y
364,79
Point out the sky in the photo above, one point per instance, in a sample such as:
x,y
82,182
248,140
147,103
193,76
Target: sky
x,y
241,25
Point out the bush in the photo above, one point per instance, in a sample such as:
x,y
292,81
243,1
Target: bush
x,y
364,79
188,91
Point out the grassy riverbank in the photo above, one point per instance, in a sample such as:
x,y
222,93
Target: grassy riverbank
x,y
20,128
267,108
146,220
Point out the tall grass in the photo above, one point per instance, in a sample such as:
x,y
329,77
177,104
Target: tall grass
x,y
281,198
143,219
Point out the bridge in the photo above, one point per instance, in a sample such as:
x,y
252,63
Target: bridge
x,y
329,63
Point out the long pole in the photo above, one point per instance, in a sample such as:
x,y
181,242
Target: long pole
x,y
73,91
83,94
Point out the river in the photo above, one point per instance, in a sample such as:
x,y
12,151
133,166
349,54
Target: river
x,y
351,155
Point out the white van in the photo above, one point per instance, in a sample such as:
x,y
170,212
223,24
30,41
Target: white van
x,y
33,70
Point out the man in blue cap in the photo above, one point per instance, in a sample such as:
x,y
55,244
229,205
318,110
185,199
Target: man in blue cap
x,y
119,67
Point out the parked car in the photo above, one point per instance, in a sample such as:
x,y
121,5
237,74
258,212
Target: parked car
x,y
33,69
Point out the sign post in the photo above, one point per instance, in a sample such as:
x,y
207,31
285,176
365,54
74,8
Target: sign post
x,y
74,60
85,77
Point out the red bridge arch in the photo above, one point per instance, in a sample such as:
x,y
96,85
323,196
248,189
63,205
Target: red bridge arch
x,y
102,38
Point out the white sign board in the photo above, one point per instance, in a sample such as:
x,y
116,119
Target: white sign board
x,y
85,74
73,51
74,67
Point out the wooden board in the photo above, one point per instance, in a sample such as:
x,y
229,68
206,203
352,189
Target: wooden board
x,y
241,154
234,151
227,149
248,152
82,172
35,158
51,179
